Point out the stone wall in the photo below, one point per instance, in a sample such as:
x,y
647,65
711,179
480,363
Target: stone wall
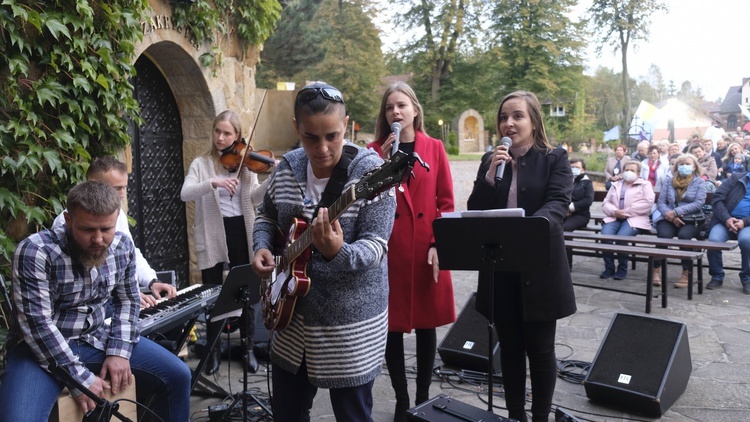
x,y
201,93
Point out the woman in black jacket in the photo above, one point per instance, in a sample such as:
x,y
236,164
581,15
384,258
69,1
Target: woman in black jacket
x,y
538,179
581,199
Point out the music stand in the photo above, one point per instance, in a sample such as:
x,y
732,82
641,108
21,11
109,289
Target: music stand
x,y
504,244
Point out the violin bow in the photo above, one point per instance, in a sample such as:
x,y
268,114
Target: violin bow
x,y
252,132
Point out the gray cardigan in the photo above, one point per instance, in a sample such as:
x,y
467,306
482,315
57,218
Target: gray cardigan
x,y
340,327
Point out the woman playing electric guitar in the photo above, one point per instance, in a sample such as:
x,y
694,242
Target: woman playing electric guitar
x,y
337,332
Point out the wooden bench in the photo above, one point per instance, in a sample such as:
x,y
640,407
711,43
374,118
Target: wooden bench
x,y
657,242
648,254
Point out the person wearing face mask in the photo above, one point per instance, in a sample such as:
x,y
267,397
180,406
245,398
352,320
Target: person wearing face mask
x,y
682,194
581,198
626,206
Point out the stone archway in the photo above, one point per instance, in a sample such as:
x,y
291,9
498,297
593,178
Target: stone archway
x,y
471,136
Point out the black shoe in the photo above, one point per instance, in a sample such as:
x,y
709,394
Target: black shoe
x,y
714,284
214,361
621,274
746,288
251,361
607,273
400,413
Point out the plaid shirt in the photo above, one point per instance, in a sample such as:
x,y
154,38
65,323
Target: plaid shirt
x,y
56,300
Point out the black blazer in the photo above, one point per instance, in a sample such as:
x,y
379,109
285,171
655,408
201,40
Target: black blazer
x,y
544,189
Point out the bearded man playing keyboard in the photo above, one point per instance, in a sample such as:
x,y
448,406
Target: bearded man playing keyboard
x,y
61,280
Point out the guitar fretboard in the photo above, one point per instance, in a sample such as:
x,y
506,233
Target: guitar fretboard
x,y
334,211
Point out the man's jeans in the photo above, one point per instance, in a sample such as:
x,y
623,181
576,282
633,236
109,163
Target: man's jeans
x,y
720,233
28,393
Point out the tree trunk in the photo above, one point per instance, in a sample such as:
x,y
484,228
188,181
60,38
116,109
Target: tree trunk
x,y
626,93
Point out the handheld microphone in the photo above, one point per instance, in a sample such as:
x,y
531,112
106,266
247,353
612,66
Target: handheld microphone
x,y
505,142
396,129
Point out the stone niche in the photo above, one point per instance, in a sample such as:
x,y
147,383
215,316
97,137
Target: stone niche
x,y
471,133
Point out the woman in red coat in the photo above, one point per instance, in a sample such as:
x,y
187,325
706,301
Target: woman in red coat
x,y
421,296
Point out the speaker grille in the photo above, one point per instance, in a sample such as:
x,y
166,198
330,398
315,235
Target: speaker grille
x,y
465,344
638,352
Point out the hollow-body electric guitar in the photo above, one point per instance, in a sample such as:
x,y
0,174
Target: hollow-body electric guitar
x,y
289,280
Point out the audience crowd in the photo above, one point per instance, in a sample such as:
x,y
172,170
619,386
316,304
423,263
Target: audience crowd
x,y
705,166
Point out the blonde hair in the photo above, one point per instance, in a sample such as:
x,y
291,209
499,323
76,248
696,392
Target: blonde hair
x,y
225,116
698,169
728,154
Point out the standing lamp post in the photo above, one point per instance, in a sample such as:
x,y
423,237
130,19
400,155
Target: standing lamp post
x,y
442,136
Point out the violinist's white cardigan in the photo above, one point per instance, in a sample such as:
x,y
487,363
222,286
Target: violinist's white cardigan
x,y
210,239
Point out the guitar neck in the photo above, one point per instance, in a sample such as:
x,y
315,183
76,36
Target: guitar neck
x,y
334,212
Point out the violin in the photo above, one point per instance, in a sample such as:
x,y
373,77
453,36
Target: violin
x,y
240,154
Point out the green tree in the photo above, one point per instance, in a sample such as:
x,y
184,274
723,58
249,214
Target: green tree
x,y
332,41
605,98
295,45
540,47
441,27
620,23
354,62
472,85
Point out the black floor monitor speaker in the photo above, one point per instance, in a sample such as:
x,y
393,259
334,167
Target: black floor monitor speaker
x,y
642,366
465,344
444,408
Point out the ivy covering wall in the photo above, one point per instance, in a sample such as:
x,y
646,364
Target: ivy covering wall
x,y
65,92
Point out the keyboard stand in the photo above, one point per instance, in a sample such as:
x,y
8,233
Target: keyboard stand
x,y
175,339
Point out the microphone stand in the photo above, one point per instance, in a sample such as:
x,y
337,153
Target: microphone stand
x,y
104,408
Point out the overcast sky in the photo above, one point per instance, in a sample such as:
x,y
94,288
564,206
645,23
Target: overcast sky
x,y
702,41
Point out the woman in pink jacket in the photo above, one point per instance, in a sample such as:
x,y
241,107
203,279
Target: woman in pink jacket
x,y
421,296
627,208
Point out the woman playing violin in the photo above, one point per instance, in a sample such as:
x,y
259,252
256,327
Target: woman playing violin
x,y
225,205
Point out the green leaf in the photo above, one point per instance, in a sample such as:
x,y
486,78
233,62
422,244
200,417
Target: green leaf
x,y
102,80
63,138
19,12
80,81
66,122
53,159
56,28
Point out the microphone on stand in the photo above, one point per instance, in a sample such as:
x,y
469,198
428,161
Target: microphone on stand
x,y
505,142
396,129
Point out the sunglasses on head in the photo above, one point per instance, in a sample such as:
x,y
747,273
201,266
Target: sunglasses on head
x,y
308,94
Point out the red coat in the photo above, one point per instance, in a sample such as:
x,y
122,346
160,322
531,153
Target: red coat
x,y
415,300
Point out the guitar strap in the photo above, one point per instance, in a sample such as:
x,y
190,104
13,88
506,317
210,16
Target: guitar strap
x,y
338,179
